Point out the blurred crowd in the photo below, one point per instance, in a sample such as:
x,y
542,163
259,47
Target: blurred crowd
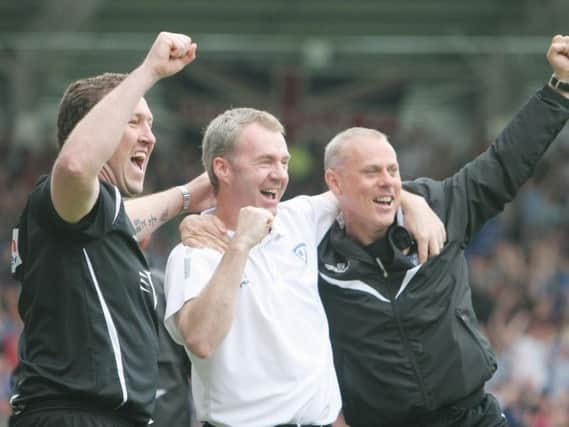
x,y
519,263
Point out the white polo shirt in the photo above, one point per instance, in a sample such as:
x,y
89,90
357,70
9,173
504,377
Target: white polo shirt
x,y
275,365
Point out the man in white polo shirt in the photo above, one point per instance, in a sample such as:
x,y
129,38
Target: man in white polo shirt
x,y
251,319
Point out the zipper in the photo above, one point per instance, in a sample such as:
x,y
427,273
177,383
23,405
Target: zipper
x,y
407,346
473,333
385,273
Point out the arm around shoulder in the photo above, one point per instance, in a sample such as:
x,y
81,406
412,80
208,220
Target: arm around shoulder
x,y
147,213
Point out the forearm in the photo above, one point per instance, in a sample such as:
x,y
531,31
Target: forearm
x,y
147,213
408,199
523,142
493,179
206,320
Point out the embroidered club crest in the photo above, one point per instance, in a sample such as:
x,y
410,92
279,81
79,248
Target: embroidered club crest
x,y
301,251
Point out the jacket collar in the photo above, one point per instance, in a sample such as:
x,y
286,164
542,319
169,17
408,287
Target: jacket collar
x,y
348,247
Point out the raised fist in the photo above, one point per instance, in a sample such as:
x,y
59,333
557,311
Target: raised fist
x,y
558,56
169,54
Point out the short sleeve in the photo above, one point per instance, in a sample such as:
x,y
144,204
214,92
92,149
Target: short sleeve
x,y
95,224
188,271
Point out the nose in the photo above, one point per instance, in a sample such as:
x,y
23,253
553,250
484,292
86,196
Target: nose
x,y
279,172
146,135
385,178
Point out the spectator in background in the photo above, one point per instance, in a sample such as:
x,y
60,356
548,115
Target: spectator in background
x,y
88,352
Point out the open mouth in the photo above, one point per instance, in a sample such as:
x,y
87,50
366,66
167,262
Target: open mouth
x,y
270,193
384,200
138,160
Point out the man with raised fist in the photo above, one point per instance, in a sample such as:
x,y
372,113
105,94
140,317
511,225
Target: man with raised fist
x,y
88,351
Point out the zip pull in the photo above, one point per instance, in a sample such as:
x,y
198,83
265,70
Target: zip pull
x,y
385,274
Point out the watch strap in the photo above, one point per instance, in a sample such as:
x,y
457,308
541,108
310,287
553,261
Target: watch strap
x,y
559,84
187,197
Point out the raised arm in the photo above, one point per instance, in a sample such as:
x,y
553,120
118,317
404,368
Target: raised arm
x,y
94,140
480,190
204,321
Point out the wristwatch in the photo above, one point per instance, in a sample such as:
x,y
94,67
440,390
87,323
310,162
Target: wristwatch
x,y
559,84
187,197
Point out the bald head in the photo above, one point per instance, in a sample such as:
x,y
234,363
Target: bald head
x,y
338,148
363,173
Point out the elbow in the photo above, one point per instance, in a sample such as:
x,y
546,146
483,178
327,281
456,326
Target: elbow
x,y
199,337
202,348
196,339
70,167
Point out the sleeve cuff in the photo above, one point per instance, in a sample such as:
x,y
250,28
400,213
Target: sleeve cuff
x,y
547,93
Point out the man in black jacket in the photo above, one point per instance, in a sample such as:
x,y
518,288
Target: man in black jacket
x,y
407,347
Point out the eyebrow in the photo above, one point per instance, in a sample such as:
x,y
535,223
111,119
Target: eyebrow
x,y
272,157
143,117
375,167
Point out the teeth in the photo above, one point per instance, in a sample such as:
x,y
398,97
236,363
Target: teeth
x,y
271,192
383,199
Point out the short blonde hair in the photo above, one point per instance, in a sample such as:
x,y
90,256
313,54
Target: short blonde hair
x,y
222,134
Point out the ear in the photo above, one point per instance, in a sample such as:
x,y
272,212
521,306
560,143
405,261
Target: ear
x,y
334,181
221,169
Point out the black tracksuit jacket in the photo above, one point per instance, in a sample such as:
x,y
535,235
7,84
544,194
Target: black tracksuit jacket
x,y
409,343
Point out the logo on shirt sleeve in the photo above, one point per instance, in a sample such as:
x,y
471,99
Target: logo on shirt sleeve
x,y
301,251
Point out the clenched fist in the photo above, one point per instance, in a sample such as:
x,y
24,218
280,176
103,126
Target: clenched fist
x,y
253,225
169,53
558,57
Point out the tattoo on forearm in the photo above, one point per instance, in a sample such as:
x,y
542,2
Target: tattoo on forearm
x,y
164,216
150,222
139,225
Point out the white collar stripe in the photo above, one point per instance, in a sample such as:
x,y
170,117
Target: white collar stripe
x,y
356,285
118,199
409,274
112,330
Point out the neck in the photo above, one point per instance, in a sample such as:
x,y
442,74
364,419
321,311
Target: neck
x,y
227,211
106,174
362,233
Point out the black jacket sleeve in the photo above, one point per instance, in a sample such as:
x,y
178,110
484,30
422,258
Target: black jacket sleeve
x,y
479,191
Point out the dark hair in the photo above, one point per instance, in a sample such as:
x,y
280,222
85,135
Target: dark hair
x,y
79,98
